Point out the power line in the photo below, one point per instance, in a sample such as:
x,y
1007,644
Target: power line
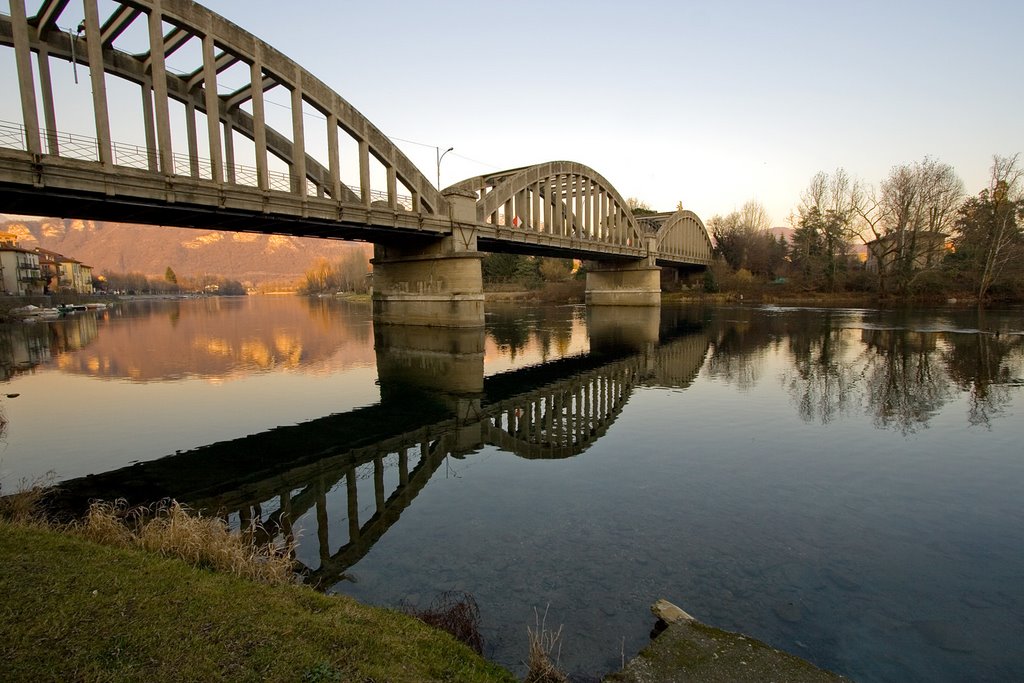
x,y
474,161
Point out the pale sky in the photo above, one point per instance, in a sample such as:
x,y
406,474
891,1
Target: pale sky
x,y
709,103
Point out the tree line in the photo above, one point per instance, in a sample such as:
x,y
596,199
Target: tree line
x,y
921,232
170,283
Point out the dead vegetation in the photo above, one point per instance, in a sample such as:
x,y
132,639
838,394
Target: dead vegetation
x,y
543,643
455,612
171,530
27,504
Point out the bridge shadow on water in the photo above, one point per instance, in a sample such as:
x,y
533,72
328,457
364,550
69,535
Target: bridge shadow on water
x,y
436,403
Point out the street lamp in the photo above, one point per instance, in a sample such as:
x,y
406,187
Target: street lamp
x,y
440,155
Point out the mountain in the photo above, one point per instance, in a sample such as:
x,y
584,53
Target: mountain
x,y
123,248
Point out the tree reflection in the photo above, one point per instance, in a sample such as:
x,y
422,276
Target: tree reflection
x,y
513,329
740,338
905,383
900,375
984,366
823,382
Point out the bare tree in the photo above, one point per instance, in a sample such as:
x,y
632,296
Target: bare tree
x,y
990,227
908,218
753,217
825,226
743,240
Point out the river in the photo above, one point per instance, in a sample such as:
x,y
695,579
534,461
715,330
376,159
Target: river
x,y
844,484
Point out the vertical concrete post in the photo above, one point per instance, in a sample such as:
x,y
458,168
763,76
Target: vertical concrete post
x,y
94,47
392,187
46,90
334,158
587,210
364,172
229,150
158,71
555,205
259,117
193,139
26,82
212,105
536,219
152,154
298,138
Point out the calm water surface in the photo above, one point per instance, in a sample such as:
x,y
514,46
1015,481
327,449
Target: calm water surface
x,y
844,484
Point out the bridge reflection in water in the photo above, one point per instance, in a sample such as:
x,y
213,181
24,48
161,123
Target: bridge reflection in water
x,y
435,404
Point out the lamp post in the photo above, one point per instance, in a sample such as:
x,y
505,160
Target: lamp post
x,y
440,155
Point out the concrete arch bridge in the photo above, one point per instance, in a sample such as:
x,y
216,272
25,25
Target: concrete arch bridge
x,y
200,149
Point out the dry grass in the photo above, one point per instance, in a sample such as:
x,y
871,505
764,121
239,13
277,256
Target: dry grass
x,y
171,530
455,612
544,642
74,610
26,504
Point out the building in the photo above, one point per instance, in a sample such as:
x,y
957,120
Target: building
x,y
19,269
64,274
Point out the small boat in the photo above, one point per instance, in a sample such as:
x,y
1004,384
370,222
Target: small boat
x,y
32,313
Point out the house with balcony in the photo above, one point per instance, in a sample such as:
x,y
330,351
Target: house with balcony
x,y
20,272
64,274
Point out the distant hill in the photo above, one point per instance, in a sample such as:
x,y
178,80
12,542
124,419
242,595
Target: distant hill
x,y
123,248
783,232
856,246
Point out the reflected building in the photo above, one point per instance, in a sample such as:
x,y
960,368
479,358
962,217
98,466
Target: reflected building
x,y
22,347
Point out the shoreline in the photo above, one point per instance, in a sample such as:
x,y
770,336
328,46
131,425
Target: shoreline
x,y
141,600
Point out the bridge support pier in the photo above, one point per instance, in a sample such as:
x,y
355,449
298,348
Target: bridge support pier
x,y
634,284
438,284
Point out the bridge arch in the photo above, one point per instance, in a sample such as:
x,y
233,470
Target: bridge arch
x,y
683,236
223,45
558,198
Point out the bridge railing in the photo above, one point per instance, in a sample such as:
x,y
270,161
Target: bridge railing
x,y
127,155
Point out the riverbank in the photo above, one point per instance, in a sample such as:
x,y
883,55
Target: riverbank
x,y
574,291
125,615
117,614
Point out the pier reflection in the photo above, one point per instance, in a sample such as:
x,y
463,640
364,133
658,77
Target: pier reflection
x,y
436,403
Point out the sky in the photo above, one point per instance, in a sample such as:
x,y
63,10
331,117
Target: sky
x,y
710,104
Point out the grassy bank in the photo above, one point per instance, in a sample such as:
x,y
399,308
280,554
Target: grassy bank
x,y
76,610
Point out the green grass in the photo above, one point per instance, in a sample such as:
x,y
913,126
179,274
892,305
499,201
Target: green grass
x,y
76,610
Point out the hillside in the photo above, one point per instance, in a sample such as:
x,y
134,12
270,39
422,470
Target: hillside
x,y
123,248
